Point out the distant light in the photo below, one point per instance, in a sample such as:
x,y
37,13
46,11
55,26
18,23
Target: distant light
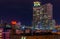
x,y
23,37
8,26
23,27
13,22
37,28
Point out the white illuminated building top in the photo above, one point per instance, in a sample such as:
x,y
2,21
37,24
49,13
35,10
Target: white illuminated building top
x,y
37,3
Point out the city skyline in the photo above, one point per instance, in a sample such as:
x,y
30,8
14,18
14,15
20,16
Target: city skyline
x,y
22,10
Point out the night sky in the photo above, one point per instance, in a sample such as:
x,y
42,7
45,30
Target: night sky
x,y
21,10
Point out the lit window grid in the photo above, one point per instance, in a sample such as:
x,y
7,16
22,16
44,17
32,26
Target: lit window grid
x,y
44,11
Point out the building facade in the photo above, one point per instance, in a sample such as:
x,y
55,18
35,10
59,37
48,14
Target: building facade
x,y
42,15
36,13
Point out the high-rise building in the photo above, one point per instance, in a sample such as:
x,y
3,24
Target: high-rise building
x,y
36,12
42,14
52,24
46,15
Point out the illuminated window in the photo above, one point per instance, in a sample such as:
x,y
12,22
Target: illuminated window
x,y
8,26
51,28
38,14
45,16
38,11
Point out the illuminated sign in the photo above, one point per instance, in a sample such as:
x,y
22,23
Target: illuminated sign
x,y
13,22
37,3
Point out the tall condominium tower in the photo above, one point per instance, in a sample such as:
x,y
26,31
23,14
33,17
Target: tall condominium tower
x,y
42,14
36,13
